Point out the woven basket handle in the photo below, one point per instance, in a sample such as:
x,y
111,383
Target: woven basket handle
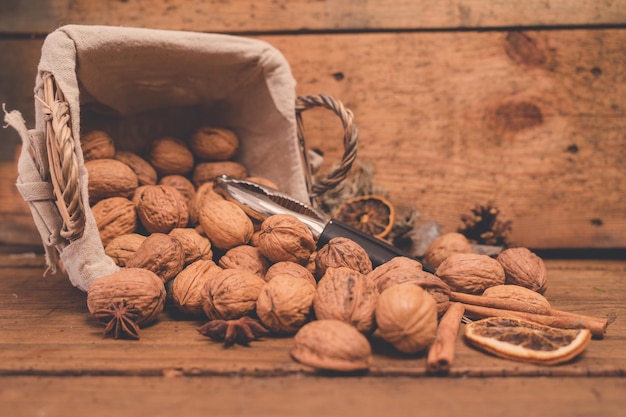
x,y
62,159
350,139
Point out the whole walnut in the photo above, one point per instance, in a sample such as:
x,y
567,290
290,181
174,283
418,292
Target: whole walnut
x,y
182,184
444,246
231,294
205,193
347,295
332,345
122,247
208,171
290,268
170,156
341,251
139,288
109,178
402,270
470,272
225,224
517,293
195,246
187,287
97,144
214,143
161,208
406,316
283,237
146,174
523,267
245,257
114,216
161,254
284,304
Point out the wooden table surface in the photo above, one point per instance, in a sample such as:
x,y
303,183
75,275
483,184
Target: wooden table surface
x,y
54,361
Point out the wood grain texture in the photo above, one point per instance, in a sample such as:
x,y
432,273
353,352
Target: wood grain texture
x,y
310,396
43,16
533,122
47,331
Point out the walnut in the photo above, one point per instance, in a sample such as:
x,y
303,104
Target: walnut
x,y
182,184
114,216
97,144
283,237
195,246
406,316
341,251
109,178
284,304
470,272
208,171
122,247
205,193
402,270
523,267
170,156
332,345
187,287
444,246
245,257
517,293
146,174
214,143
139,288
161,254
161,208
290,268
225,224
231,294
347,295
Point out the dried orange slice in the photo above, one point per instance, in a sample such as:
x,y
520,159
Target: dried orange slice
x,y
526,341
371,214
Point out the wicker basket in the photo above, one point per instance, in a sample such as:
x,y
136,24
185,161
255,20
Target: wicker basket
x,y
52,163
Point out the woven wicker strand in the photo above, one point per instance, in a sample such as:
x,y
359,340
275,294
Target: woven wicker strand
x,y
62,160
350,139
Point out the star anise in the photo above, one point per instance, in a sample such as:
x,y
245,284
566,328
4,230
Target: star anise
x,y
241,331
120,320
483,226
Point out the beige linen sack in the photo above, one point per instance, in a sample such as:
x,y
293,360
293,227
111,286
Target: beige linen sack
x,y
139,84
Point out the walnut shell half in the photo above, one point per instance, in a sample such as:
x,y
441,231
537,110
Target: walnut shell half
x,y
332,345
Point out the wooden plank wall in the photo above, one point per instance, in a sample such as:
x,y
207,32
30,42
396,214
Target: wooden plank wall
x,y
458,103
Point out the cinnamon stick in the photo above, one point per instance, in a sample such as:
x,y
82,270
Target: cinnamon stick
x,y
596,327
516,305
441,354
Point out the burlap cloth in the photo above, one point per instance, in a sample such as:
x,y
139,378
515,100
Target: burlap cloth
x,y
140,83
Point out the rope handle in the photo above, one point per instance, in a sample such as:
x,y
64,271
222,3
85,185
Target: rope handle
x,y
62,159
350,140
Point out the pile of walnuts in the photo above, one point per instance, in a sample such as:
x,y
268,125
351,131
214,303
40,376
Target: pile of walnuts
x,y
177,241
